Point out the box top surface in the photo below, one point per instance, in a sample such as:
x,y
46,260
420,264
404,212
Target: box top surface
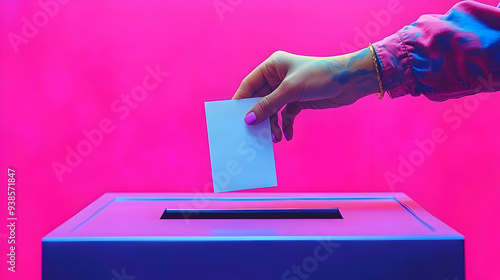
x,y
136,216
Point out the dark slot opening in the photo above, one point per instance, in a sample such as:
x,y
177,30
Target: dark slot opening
x,y
325,213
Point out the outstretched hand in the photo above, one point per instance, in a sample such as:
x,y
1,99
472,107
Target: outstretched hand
x,y
301,82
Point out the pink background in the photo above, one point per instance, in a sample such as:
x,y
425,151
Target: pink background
x,y
85,55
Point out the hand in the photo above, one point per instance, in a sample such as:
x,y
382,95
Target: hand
x,y
301,82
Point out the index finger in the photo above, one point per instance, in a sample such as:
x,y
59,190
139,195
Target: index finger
x,y
251,83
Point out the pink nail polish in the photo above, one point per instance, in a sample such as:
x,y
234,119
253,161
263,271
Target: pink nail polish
x,y
250,118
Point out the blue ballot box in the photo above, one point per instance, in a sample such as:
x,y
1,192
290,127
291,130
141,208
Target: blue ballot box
x,y
294,236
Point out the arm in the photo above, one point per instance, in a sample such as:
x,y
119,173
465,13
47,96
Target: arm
x,y
441,57
300,82
444,56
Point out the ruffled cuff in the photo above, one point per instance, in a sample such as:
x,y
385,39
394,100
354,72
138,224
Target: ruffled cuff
x,y
395,66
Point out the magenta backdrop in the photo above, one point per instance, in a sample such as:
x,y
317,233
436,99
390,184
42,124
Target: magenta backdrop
x,y
66,70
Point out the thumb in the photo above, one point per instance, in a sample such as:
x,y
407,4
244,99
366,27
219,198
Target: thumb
x,y
267,106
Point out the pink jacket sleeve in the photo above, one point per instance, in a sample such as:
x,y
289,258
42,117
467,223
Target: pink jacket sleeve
x,y
443,56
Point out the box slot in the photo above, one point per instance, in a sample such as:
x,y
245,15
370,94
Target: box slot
x,y
324,213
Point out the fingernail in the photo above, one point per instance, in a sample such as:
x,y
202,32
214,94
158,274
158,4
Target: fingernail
x,y
274,138
250,118
286,136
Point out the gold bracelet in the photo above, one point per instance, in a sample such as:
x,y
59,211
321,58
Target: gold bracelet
x,y
370,47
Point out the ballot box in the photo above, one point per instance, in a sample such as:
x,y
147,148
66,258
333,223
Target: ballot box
x,y
295,236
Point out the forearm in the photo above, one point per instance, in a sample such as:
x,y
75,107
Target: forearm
x,y
353,75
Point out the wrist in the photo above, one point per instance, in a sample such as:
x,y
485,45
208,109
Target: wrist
x,y
358,77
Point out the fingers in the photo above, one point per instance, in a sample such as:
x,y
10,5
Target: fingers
x,y
264,78
252,82
275,128
268,105
291,110
287,118
263,91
